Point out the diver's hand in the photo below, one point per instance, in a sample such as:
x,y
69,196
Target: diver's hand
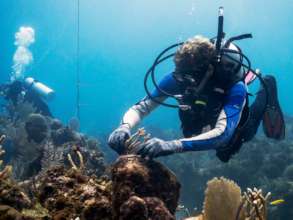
x,y
156,147
118,137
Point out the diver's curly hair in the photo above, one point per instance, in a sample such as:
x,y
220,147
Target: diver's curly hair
x,y
196,52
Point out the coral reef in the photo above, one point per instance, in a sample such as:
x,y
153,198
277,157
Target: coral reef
x,y
58,155
138,189
141,184
37,142
58,193
64,173
72,194
12,198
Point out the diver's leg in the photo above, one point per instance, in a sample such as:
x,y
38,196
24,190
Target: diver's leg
x,y
265,107
256,111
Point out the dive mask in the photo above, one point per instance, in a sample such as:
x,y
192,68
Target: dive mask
x,y
197,77
190,76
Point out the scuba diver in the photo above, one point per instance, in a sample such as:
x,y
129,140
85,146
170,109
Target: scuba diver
x,y
210,84
30,91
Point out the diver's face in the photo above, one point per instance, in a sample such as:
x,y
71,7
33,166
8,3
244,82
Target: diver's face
x,y
191,76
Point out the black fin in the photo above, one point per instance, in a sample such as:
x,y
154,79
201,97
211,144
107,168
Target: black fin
x,y
273,123
273,119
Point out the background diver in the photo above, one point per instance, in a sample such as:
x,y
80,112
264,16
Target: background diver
x,y
210,84
28,90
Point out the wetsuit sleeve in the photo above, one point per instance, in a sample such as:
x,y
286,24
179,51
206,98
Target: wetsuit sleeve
x,y
226,124
141,109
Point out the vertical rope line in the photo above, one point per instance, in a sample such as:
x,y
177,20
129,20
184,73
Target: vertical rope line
x,y
77,63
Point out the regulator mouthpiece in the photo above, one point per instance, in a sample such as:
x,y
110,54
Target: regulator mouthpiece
x,y
40,88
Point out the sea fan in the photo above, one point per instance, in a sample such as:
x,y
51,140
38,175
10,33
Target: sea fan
x,y
222,199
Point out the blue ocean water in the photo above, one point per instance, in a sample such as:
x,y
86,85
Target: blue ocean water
x,y
120,39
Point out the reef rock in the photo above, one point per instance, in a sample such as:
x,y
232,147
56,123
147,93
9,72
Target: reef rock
x,y
144,185
9,213
70,194
12,195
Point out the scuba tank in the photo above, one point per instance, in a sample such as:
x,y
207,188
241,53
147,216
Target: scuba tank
x,y
39,88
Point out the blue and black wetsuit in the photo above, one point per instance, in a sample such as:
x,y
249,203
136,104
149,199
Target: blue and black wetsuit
x,y
214,132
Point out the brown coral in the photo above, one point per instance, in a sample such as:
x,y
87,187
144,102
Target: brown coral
x,y
9,213
6,172
135,176
157,209
144,209
71,194
134,208
10,193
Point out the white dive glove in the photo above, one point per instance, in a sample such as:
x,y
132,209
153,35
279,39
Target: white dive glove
x,y
118,137
156,147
